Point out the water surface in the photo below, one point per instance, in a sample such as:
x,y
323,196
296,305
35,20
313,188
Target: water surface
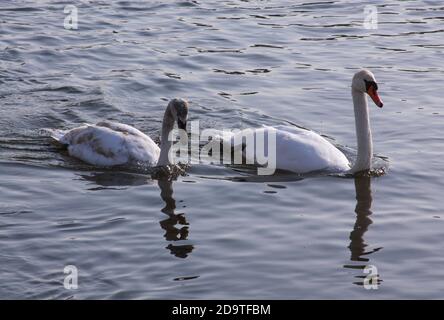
x,y
212,234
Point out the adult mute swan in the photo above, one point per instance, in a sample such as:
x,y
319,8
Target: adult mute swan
x,y
302,151
109,144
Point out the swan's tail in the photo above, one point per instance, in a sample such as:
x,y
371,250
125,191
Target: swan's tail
x,y
56,136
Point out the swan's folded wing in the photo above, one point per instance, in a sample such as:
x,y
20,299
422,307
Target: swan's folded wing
x,y
293,129
97,145
120,127
110,144
306,151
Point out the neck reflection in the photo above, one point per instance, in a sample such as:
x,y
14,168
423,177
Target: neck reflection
x,y
363,211
358,246
176,226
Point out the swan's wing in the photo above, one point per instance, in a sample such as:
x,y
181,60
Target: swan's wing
x,y
97,145
296,149
239,138
102,146
120,127
293,129
306,151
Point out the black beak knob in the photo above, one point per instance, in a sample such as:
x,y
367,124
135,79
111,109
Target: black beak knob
x,y
182,124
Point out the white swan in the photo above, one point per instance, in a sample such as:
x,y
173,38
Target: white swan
x,y
109,144
302,151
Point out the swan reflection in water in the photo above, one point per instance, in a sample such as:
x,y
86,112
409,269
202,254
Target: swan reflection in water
x,y
176,226
363,211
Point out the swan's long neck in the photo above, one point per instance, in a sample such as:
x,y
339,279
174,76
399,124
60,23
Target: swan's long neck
x,y
363,132
165,143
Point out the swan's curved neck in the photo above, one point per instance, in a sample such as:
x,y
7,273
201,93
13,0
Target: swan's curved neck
x,y
363,132
165,143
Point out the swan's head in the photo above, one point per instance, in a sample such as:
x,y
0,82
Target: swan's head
x,y
179,111
365,81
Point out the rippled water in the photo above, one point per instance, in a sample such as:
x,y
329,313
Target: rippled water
x,y
218,232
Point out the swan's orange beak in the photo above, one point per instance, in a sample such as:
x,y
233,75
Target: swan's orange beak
x,y
374,95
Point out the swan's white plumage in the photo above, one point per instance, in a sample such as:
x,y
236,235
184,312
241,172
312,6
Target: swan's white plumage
x,y
108,144
303,151
297,150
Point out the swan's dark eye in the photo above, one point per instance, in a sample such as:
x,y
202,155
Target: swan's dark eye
x,y
369,84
